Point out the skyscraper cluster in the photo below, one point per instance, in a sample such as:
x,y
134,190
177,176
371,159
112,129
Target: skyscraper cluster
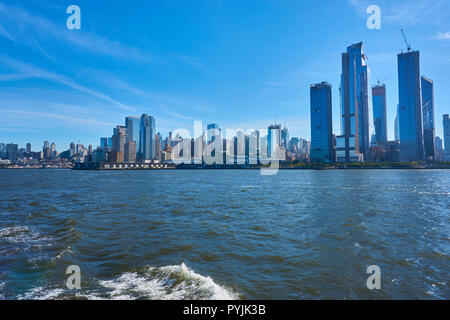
x,y
12,152
363,135
136,140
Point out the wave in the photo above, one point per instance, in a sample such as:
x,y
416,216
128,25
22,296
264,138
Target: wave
x,y
176,282
24,235
41,293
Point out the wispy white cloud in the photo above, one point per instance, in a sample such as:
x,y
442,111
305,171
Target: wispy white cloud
x,y
414,12
111,80
65,118
28,28
30,71
442,35
172,104
177,115
275,84
5,33
13,76
191,61
358,4
406,12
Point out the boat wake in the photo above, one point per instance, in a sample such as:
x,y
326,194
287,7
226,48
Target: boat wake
x,y
176,282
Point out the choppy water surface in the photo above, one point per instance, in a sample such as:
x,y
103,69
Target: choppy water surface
x,y
224,234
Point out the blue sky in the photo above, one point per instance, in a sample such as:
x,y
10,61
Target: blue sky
x,y
241,64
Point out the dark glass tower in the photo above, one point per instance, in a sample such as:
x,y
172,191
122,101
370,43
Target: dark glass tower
x,y
353,143
410,107
379,113
446,126
147,137
322,147
133,127
428,118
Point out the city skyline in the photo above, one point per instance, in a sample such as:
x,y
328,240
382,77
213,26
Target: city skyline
x,y
43,98
363,129
376,133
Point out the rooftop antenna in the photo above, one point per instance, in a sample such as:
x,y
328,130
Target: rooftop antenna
x,y
406,41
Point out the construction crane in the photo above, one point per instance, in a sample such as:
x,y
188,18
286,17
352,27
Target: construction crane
x,y
406,41
381,81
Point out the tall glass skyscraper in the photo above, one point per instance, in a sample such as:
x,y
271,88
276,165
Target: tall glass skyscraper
x,y
118,139
439,149
284,137
322,149
379,112
147,137
410,107
104,143
132,124
353,143
213,138
12,151
212,131
2,150
396,127
446,125
428,118
273,140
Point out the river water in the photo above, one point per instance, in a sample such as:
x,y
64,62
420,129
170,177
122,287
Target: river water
x,y
224,234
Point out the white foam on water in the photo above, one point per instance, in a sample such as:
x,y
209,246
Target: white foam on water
x,y
14,234
63,252
41,293
176,282
24,235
